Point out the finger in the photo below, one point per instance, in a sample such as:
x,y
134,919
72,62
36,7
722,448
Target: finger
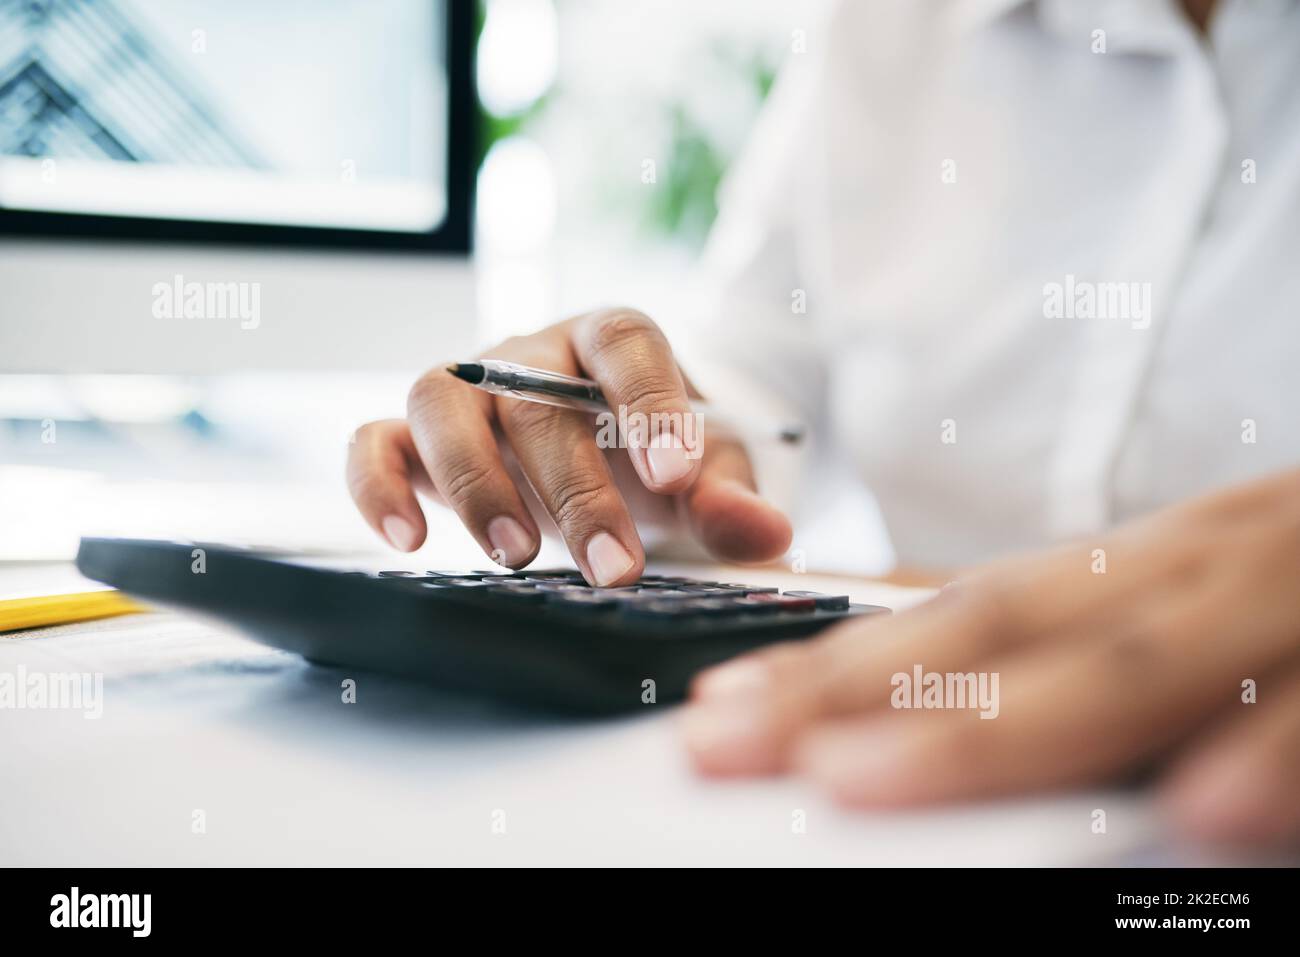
x,y
1240,785
629,356
1052,597
749,711
845,670
725,511
1165,554
381,463
746,712
556,451
452,434
1067,714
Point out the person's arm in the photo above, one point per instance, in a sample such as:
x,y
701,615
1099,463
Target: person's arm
x,y
1171,643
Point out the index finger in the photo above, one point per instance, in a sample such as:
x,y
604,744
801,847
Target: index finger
x,y
629,356
451,427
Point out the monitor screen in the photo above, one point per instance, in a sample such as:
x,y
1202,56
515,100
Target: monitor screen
x,y
292,113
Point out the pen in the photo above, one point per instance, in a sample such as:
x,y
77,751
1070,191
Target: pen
x,y
569,392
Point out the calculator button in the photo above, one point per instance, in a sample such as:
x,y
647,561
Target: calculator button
x,y
825,602
554,586
715,606
783,602
755,606
414,578
518,594
580,599
657,608
645,595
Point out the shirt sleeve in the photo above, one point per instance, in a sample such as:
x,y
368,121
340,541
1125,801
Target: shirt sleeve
x,y
752,352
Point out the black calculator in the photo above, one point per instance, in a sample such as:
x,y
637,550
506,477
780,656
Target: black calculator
x,y
534,638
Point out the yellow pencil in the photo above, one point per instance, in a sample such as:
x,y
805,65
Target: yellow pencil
x,y
21,613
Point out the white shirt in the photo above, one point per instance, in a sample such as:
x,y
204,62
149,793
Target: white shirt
x,y
943,183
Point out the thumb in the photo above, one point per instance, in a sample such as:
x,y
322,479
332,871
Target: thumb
x,y
726,513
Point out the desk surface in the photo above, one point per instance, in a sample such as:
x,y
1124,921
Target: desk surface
x,y
197,718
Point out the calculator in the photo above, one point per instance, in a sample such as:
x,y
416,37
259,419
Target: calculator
x,y
536,638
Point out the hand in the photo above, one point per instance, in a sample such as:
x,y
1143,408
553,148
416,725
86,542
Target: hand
x,y
1136,652
547,469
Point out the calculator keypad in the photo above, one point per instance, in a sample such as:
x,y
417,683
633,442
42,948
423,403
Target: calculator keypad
x,y
652,597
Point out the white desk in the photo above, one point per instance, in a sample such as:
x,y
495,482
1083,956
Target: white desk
x,y
199,718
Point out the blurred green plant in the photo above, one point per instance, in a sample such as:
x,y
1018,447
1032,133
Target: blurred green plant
x,y
686,204
492,128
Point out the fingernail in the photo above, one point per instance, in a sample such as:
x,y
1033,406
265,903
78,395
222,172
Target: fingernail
x,y
666,458
711,728
399,532
609,561
859,765
511,544
735,678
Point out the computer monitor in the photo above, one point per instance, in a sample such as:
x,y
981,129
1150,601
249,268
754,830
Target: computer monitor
x,y
213,185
